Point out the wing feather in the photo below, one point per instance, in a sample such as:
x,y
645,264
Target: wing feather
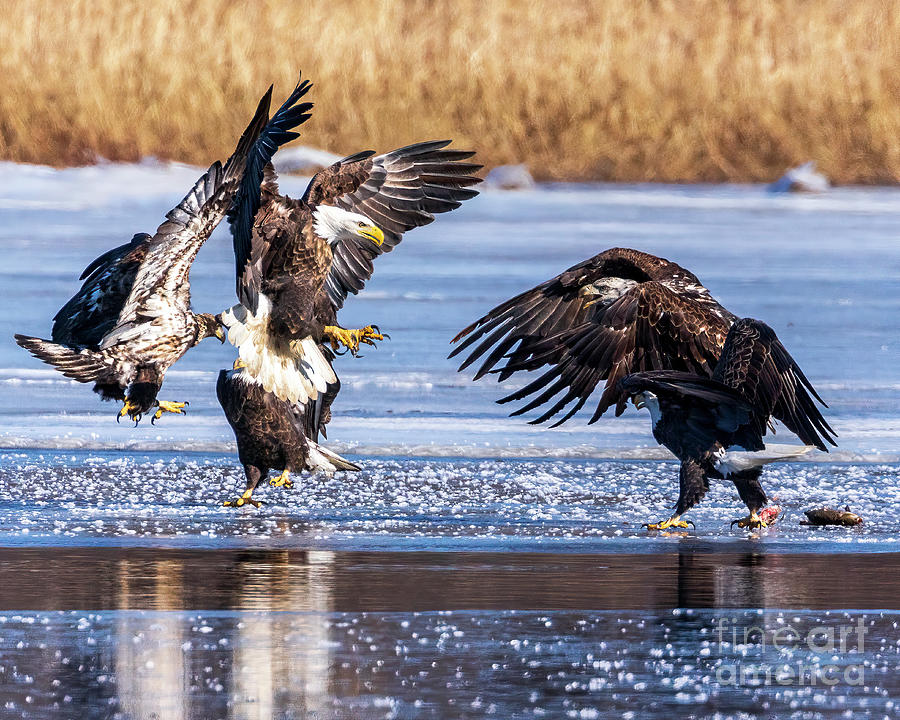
x,y
277,131
398,191
756,364
93,311
617,313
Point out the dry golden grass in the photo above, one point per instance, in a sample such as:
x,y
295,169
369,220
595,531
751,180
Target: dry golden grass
x,y
614,89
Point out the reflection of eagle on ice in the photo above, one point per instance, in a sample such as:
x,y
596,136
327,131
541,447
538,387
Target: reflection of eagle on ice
x,y
649,330
296,262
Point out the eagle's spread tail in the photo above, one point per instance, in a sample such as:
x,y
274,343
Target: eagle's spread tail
x,y
82,365
321,458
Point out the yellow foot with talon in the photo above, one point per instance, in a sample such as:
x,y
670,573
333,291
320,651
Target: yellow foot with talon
x,y
672,522
282,480
352,339
130,409
178,408
752,521
245,499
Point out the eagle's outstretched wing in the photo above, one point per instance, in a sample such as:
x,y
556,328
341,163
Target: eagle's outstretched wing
x,y
617,313
757,365
397,191
162,279
248,256
93,311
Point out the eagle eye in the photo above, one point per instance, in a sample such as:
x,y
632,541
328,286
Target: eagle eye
x,y
361,223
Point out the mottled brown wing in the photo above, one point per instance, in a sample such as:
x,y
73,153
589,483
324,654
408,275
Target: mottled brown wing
x,y
397,191
161,281
93,311
650,327
755,363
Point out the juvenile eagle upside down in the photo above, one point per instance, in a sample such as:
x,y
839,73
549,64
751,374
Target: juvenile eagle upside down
x,y
650,331
131,319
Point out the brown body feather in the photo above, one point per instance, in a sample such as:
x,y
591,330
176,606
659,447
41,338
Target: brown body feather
x,y
702,416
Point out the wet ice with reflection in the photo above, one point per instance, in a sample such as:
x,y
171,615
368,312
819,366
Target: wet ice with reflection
x,y
434,664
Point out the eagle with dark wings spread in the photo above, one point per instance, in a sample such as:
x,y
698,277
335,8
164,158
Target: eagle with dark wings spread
x,y
132,318
648,330
296,262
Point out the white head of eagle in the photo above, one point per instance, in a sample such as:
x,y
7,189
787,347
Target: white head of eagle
x,y
334,224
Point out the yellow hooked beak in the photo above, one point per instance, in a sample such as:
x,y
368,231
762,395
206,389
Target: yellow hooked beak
x,y
373,232
238,364
220,333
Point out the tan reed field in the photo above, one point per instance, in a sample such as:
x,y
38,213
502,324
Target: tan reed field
x,y
614,90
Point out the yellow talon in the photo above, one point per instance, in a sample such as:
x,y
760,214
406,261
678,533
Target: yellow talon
x,y
168,406
282,480
352,339
131,410
673,522
247,497
752,521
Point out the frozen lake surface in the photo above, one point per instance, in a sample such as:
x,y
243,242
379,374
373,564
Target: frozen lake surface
x,y
477,566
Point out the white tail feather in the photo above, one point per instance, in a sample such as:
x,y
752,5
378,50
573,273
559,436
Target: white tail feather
x,y
291,377
323,459
734,461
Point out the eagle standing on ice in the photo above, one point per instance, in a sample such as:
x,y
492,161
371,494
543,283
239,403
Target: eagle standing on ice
x,y
132,318
715,426
625,315
271,434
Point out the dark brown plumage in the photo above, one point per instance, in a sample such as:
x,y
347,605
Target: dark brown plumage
x,y
304,256
93,311
701,419
271,433
620,312
131,320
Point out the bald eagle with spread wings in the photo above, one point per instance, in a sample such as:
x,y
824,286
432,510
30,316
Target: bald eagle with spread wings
x,y
132,318
296,262
298,259
621,316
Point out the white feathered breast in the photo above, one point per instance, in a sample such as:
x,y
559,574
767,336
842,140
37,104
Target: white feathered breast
x,y
293,376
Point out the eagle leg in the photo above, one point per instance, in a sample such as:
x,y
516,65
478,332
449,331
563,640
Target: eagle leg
x,y
673,522
752,521
282,480
132,410
246,498
254,475
352,339
178,408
